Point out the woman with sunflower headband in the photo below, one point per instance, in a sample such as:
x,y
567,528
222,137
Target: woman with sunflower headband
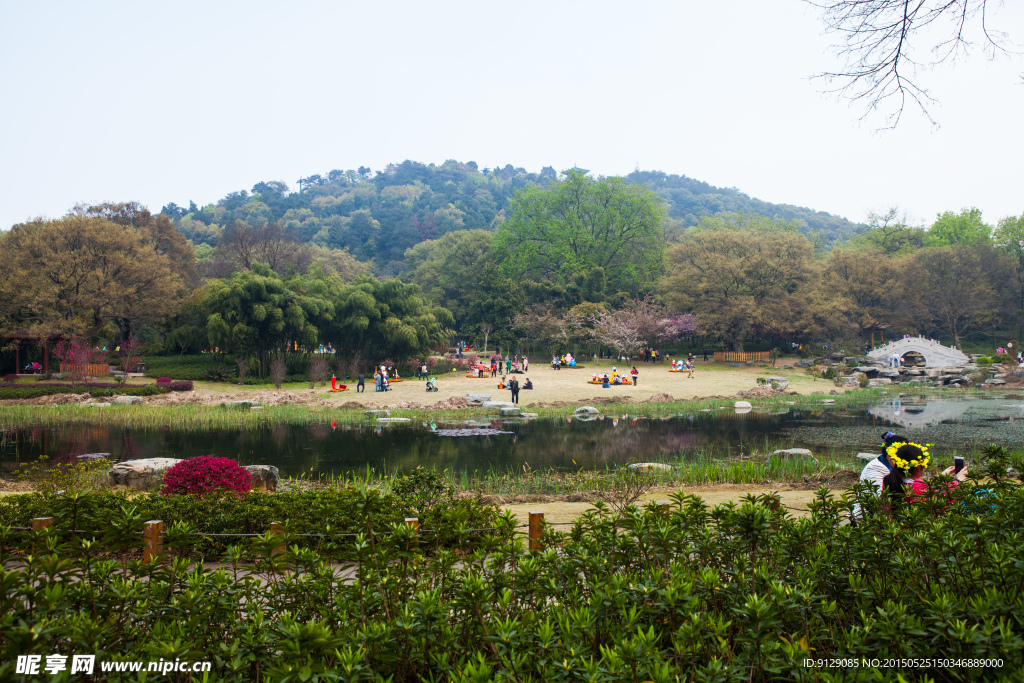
x,y
909,462
876,470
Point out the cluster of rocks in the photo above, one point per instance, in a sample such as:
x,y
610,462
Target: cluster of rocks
x,y
879,374
148,473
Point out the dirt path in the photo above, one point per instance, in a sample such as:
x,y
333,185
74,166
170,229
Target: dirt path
x,y
794,496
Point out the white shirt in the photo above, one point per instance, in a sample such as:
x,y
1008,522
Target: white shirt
x,y
874,472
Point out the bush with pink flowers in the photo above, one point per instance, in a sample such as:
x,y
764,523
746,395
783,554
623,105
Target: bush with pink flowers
x,y
174,385
204,475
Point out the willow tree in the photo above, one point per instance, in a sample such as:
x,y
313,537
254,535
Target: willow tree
x,y
385,320
255,312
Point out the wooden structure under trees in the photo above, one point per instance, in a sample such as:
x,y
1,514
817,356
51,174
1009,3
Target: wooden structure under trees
x,y
26,338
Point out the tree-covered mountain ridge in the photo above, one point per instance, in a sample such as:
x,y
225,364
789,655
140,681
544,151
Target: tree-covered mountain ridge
x,y
380,215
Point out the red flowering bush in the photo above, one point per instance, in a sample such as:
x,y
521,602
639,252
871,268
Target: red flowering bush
x,y
174,385
204,474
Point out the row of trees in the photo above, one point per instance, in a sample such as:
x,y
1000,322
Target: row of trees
x,y
379,216
579,261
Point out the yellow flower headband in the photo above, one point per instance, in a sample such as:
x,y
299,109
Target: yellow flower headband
x,y
907,465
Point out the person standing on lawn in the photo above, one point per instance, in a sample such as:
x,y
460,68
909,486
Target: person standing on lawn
x,y
361,386
634,372
513,384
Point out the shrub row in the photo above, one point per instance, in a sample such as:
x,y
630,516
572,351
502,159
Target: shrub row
x,y
333,510
193,367
732,593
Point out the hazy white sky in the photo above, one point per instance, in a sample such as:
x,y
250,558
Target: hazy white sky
x,y
179,101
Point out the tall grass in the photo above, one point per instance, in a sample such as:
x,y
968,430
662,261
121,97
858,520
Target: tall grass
x,y
688,468
193,416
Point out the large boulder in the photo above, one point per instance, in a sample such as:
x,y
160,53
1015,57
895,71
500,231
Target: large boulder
x,y
742,404
498,404
867,456
377,413
126,400
790,453
804,363
141,474
783,382
586,410
648,466
509,411
264,477
477,399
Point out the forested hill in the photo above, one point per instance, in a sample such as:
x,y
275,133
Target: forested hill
x,y
380,215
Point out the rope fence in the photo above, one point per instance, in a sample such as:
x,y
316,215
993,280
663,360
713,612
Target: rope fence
x,y
153,531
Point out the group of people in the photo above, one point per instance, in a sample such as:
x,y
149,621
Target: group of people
x,y
512,384
567,361
899,471
614,378
650,356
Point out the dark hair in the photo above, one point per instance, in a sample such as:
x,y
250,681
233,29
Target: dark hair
x,y
889,438
893,482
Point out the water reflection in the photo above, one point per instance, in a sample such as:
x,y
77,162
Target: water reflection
x,y
561,444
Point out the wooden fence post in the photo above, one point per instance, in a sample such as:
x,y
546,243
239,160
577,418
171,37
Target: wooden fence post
x,y
154,544
275,529
413,522
536,520
40,523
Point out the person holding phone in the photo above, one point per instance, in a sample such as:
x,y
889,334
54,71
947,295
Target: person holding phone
x,y
909,463
875,471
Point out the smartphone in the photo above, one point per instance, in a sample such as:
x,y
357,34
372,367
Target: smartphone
x,y
958,464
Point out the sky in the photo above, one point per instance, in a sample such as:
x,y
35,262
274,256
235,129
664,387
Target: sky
x,y
179,101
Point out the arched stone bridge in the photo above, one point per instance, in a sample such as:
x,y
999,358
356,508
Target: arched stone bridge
x,y
935,354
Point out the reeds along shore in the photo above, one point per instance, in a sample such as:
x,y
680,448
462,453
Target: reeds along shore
x,y
198,416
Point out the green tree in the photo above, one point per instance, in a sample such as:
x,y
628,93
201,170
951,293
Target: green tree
x,y
450,269
1009,238
257,312
745,282
965,227
385,320
579,224
889,233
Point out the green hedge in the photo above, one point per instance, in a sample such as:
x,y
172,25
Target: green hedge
x,y
332,510
732,593
194,367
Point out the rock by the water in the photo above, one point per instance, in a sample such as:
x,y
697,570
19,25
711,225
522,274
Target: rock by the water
x,y
742,404
529,415
509,411
498,404
392,420
867,456
141,474
477,399
787,453
793,451
649,466
586,410
828,401
377,413
264,477
126,400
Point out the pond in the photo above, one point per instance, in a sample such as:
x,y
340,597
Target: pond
x,y
563,444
